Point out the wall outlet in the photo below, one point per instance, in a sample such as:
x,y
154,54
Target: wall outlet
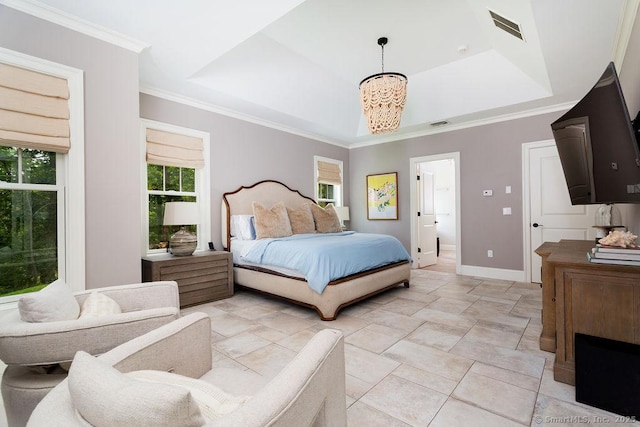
x,y
490,253
506,211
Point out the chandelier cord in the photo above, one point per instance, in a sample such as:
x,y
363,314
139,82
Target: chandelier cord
x,y
382,46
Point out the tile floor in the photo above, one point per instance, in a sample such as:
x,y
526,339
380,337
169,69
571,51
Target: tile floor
x,y
449,351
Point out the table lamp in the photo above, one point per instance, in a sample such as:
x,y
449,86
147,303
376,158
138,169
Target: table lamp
x,y
183,242
343,214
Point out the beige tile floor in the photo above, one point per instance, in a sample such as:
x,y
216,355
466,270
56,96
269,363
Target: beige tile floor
x,y
449,351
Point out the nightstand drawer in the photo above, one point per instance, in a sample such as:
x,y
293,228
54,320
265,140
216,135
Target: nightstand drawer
x,y
201,277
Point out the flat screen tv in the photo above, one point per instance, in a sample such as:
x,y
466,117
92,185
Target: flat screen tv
x,y
598,147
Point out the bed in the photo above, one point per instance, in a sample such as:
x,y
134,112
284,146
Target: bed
x,y
292,285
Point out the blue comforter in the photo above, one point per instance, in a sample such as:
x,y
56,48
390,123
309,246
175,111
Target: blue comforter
x,y
326,257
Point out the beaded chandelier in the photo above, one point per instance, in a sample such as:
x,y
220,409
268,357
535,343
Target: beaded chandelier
x,y
383,96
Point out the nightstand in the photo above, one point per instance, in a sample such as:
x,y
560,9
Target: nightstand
x,y
201,277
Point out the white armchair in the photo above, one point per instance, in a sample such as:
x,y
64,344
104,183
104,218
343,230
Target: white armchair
x,y
33,352
309,391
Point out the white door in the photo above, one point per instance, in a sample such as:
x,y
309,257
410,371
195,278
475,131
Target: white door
x,y
552,216
428,253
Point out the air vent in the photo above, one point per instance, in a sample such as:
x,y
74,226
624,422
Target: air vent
x,y
440,123
506,25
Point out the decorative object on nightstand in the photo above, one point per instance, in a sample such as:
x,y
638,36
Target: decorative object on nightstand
x,y
183,242
343,215
607,218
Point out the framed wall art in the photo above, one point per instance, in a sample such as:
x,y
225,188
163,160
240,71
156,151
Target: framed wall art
x,y
382,196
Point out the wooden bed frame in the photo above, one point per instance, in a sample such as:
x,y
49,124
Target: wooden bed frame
x,y
338,294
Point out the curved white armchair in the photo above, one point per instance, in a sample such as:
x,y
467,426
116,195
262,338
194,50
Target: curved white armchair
x,y
309,391
33,351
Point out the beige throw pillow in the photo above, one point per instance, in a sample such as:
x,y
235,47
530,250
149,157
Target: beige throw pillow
x,y
98,304
105,397
51,304
326,219
272,222
302,219
212,401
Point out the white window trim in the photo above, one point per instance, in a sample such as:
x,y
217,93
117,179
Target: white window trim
x,y
316,159
203,179
72,245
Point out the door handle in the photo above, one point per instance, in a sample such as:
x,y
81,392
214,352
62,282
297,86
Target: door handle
x,y
536,225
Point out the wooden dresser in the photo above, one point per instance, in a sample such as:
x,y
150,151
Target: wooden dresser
x,y
201,277
578,296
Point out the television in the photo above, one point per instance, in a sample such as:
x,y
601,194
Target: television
x,y
598,146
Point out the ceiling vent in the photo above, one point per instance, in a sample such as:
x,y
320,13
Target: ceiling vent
x,y
506,25
440,123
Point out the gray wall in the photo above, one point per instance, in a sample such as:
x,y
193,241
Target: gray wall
x,y
112,170
490,158
243,153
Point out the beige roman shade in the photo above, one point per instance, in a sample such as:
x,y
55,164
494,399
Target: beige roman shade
x,y
329,173
34,110
172,149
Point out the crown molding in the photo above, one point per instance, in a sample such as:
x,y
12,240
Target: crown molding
x,y
628,14
48,13
181,99
470,124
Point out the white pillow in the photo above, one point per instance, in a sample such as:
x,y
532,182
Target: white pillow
x,y
98,304
51,304
242,227
212,401
105,397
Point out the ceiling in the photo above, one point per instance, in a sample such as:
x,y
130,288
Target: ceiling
x,y
296,64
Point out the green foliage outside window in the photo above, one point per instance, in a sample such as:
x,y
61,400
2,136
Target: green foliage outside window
x,y
28,221
162,181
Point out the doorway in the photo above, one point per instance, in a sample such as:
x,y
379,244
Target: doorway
x,y
549,215
435,206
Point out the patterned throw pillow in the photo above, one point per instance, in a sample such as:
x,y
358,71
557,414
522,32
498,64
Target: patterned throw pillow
x,y
97,305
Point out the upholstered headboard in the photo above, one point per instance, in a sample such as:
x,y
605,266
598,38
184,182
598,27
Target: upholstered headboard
x,y
267,192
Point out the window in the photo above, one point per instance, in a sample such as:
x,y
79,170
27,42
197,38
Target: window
x,y
168,177
41,177
328,173
30,199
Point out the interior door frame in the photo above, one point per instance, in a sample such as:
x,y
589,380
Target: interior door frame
x,y
526,200
413,203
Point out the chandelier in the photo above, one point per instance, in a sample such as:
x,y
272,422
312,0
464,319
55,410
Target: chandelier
x,y
383,96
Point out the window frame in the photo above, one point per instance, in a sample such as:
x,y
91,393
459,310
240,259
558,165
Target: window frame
x,y
339,199
69,175
202,185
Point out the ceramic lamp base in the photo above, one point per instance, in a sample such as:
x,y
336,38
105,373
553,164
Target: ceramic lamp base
x,y
183,243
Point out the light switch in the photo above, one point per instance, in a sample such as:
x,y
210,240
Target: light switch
x,y
507,189
506,211
486,193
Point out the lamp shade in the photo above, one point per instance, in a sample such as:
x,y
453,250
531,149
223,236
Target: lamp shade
x,y
181,213
343,213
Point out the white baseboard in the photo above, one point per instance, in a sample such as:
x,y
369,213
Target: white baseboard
x,y
492,273
448,247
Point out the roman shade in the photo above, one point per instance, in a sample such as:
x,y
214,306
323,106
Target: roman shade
x,y
34,110
329,173
172,149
